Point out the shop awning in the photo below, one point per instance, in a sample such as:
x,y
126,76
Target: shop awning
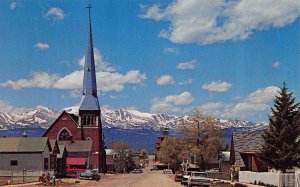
x,y
76,161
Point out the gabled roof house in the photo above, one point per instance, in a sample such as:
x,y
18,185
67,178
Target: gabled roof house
x,y
245,151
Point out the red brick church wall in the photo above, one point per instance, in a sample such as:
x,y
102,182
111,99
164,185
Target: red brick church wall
x,y
63,121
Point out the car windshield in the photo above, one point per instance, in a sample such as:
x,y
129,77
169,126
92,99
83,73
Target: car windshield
x,y
187,173
199,174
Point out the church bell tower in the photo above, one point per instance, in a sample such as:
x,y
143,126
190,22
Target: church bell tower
x,y
89,120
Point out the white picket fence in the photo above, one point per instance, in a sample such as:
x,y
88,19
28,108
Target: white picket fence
x,y
297,179
277,179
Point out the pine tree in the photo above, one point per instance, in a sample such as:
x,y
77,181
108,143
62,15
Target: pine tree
x,y
281,148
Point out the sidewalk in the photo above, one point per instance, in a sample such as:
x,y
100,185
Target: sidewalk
x,y
25,184
248,185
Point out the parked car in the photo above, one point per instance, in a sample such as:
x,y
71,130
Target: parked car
x,y
136,171
178,176
185,177
201,179
154,168
167,171
213,170
89,174
73,171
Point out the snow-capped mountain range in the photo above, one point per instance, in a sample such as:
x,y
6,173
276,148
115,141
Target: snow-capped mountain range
x,y
111,118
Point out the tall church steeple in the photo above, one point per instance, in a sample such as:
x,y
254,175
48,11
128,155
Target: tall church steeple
x,y
89,121
89,99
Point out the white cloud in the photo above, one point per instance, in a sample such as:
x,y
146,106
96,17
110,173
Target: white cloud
x,y
187,65
13,5
55,14
276,64
263,95
100,63
211,106
76,93
154,12
106,81
217,86
244,109
41,45
165,80
113,97
170,50
38,80
189,81
5,106
255,102
132,108
171,103
209,21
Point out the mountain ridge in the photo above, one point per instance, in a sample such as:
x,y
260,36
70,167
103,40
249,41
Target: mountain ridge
x,y
43,117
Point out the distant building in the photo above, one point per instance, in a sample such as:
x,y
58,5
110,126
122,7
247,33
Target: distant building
x,y
245,151
25,154
158,142
86,126
111,154
165,132
224,158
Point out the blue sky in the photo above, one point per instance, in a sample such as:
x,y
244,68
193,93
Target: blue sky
x,y
226,57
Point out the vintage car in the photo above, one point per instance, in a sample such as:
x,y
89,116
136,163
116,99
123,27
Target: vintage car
x,y
201,179
178,176
167,171
185,177
89,174
136,171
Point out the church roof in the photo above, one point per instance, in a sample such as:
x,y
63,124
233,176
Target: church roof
x,y
72,116
89,100
77,145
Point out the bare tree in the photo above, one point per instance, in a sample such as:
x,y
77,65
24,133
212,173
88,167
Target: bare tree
x,y
172,151
206,133
122,158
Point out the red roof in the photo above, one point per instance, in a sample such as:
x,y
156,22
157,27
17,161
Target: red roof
x,y
76,161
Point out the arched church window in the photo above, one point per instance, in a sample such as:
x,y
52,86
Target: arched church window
x,y
92,120
83,120
88,120
64,135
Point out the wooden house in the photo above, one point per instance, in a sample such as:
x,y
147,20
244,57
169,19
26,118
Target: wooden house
x,y
25,154
245,151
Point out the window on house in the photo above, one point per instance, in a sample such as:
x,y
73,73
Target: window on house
x,y
46,163
13,162
64,135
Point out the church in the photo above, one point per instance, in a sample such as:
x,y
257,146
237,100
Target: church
x,y
81,134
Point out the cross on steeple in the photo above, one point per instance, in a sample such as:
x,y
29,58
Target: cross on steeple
x,y
89,7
